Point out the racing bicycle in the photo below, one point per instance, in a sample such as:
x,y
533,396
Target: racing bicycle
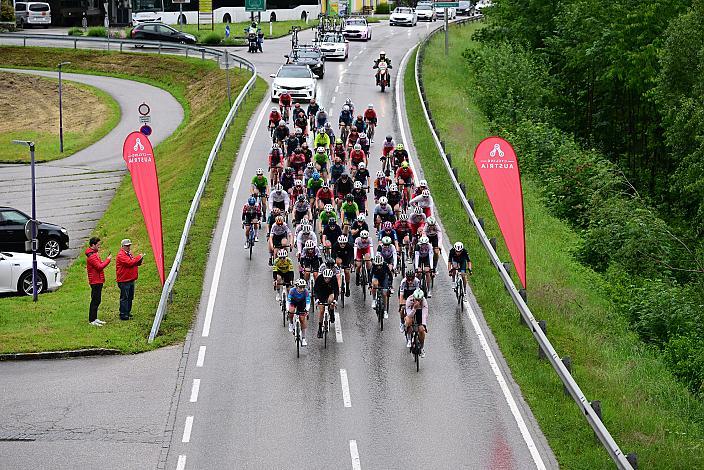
x,y
381,304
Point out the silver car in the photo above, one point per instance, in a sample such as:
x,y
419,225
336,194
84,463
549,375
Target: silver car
x,y
32,13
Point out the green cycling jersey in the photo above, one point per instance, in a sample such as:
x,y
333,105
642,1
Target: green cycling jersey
x,y
322,140
321,158
349,208
325,216
315,184
260,182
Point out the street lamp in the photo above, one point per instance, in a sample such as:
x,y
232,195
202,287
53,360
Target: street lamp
x,y
33,222
61,114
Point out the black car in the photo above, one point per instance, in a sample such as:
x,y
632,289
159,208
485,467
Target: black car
x,y
312,57
161,32
52,238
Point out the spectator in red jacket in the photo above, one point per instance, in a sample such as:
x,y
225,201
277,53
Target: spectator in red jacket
x,y
96,278
127,266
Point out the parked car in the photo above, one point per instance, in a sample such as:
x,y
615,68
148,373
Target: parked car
x,y
465,8
356,27
297,80
403,16
309,56
426,12
451,13
161,32
334,46
52,238
16,273
32,13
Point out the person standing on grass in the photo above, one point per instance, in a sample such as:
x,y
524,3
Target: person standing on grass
x,y
96,278
127,268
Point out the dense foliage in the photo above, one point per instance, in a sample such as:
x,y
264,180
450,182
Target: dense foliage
x,y
604,101
7,10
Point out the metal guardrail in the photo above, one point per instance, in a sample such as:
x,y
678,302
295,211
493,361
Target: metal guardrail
x,y
591,410
223,57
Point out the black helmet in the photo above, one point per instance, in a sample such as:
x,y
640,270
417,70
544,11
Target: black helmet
x,y
329,262
389,138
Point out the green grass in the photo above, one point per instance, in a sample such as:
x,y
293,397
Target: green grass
x,y
47,143
280,28
59,320
646,410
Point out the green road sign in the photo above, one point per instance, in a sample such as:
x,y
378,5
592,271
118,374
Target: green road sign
x,y
447,4
254,5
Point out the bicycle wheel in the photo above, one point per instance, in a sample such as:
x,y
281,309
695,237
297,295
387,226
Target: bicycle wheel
x,y
363,280
298,339
342,289
380,310
326,327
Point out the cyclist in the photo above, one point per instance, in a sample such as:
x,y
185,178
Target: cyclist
x,y
371,120
321,160
326,291
357,227
283,272
345,121
343,187
305,150
381,185
274,118
387,230
308,173
408,286
314,184
298,299
424,201
320,118
362,174
362,251
416,221
279,198
458,259
298,189
330,132
403,230
394,197
336,169
312,111
350,104
285,104
301,209
303,236
251,214
326,214
281,133
359,194
432,231
360,124
422,186
353,137
309,260
280,237
301,121
339,150
404,179
329,263
364,142
259,188
422,261
288,179
388,146
417,311
357,157
325,196
382,278
297,161
383,212
399,155
343,252
331,233
271,220
297,111
387,250
322,139
293,141
349,210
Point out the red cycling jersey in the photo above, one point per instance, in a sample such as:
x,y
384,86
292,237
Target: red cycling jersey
x,y
274,117
285,99
370,114
325,195
405,174
357,156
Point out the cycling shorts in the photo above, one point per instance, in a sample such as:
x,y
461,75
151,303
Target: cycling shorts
x,y
424,261
250,218
310,263
300,306
384,282
287,277
281,205
298,216
433,240
460,266
277,239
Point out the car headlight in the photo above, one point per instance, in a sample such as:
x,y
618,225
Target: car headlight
x,y
50,264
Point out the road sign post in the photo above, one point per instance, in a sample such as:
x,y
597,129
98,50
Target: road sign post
x,y
254,5
446,6
180,12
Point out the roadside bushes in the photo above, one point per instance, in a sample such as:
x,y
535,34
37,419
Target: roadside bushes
x,y
382,9
97,32
211,39
7,11
75,31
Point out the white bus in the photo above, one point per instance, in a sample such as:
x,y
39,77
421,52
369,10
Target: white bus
x,y
224,11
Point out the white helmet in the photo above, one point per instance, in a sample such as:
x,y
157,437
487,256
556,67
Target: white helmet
x,y
364,234
342,239
282,123
260,171
357,185
459,246
362,165
418,294
357,147
423,240
301,283
282,253
273,108
393,187
306,228
423,183
380,174
431,220
328,273
298,182
309,245
426,193
370,106
383,200
328,208
378,259
417,210
362,135
360,217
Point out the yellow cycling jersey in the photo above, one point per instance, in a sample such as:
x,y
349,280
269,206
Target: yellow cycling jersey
x,y
283,266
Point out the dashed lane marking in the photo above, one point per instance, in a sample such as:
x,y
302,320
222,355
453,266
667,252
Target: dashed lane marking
x,y
195,388
345,389
354,453
187,429
201,357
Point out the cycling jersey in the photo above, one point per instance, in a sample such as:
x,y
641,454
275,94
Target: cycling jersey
x,y
460,258
383,274
326,216
313,109
250,213
343,186
349,209
339,151
407,288
274,117
402,227
303,237
282,265
360,197
362,175
365,144
324,288
285,99
336,170
434,235
394,198
260,182
325,195
405,174
281,132
381,184
389,233
299,299
321,118
344,253
279,198
422,201
280,230
400,156
384,211
321,140
314,185
362,243
352,138
388,252
423,251
287,181
388,147
301,207
292,143
301,122
360,125
411,310
332,234
370,115
321,158
346,118
297,161
297,191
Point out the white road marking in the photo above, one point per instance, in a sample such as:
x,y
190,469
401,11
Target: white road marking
x,y
194,390
354,453
228,223
345,389
337,88
187,429
508,396
201,356
338,330
332,100
181,465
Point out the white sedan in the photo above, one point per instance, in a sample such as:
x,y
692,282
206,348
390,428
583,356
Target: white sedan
x,y
357,28
334,46
403,16
16,273
297,80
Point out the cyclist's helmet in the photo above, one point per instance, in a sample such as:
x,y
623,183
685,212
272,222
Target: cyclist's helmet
x,y
399,147
326,185
328,207
357,185
370,106
378,260
289,170
393,187
403,216
386,240
280,220
364,234
321,130
328,125
282,123
348,101
328,273
260,171
316,176
332,221
338,141
360,218
279,187
301,283
404,164
418,294
310,165
362,135
298,183
301,198
309,245
251,201
383,200
423,183
320,149
307,229
349,198
459,246
387,225
329,262
342,239
380,174
410,273
389,138
423,240
431,220
282,253
357,147
417,210
362,165
273,108
297,105
345,108
426,193
299,130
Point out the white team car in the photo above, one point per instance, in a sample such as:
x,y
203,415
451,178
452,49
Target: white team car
x,y
16,273
357,28
334,46
403,16
297,80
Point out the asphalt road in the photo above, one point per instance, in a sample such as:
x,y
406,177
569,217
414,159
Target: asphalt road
x,y
358,403
75,191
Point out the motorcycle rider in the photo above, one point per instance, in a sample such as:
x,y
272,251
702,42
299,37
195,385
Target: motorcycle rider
x,y
382,58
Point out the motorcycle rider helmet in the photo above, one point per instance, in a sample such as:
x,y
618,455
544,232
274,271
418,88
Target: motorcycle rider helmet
x,y
348,101
382,54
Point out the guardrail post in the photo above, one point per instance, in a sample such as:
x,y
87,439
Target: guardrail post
x,y
471,203
159,48
567,361
449,158
454,172
633,460
187,49
442,144
463,188
507,267
171,296
492,240
543,326
481,222
202,54
596,406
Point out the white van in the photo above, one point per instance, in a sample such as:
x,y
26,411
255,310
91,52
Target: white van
x,y
32,13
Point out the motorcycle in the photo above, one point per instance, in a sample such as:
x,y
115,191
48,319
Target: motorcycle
x,y
383,76
253,42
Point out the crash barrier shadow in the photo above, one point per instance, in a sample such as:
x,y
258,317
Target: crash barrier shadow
x,y
226,60
592,410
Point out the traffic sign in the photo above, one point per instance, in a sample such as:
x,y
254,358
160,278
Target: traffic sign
x,y
254,5
145,119
28,229
146,130
144,109
447,4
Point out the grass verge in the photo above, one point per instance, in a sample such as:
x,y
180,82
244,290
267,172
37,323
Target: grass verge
x,y
47,141
644,408
59,320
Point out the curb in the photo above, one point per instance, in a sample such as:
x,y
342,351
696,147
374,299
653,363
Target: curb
x,y
58,354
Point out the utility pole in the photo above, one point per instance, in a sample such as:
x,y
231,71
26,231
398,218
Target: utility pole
x,y
33,222
447,41
61,113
